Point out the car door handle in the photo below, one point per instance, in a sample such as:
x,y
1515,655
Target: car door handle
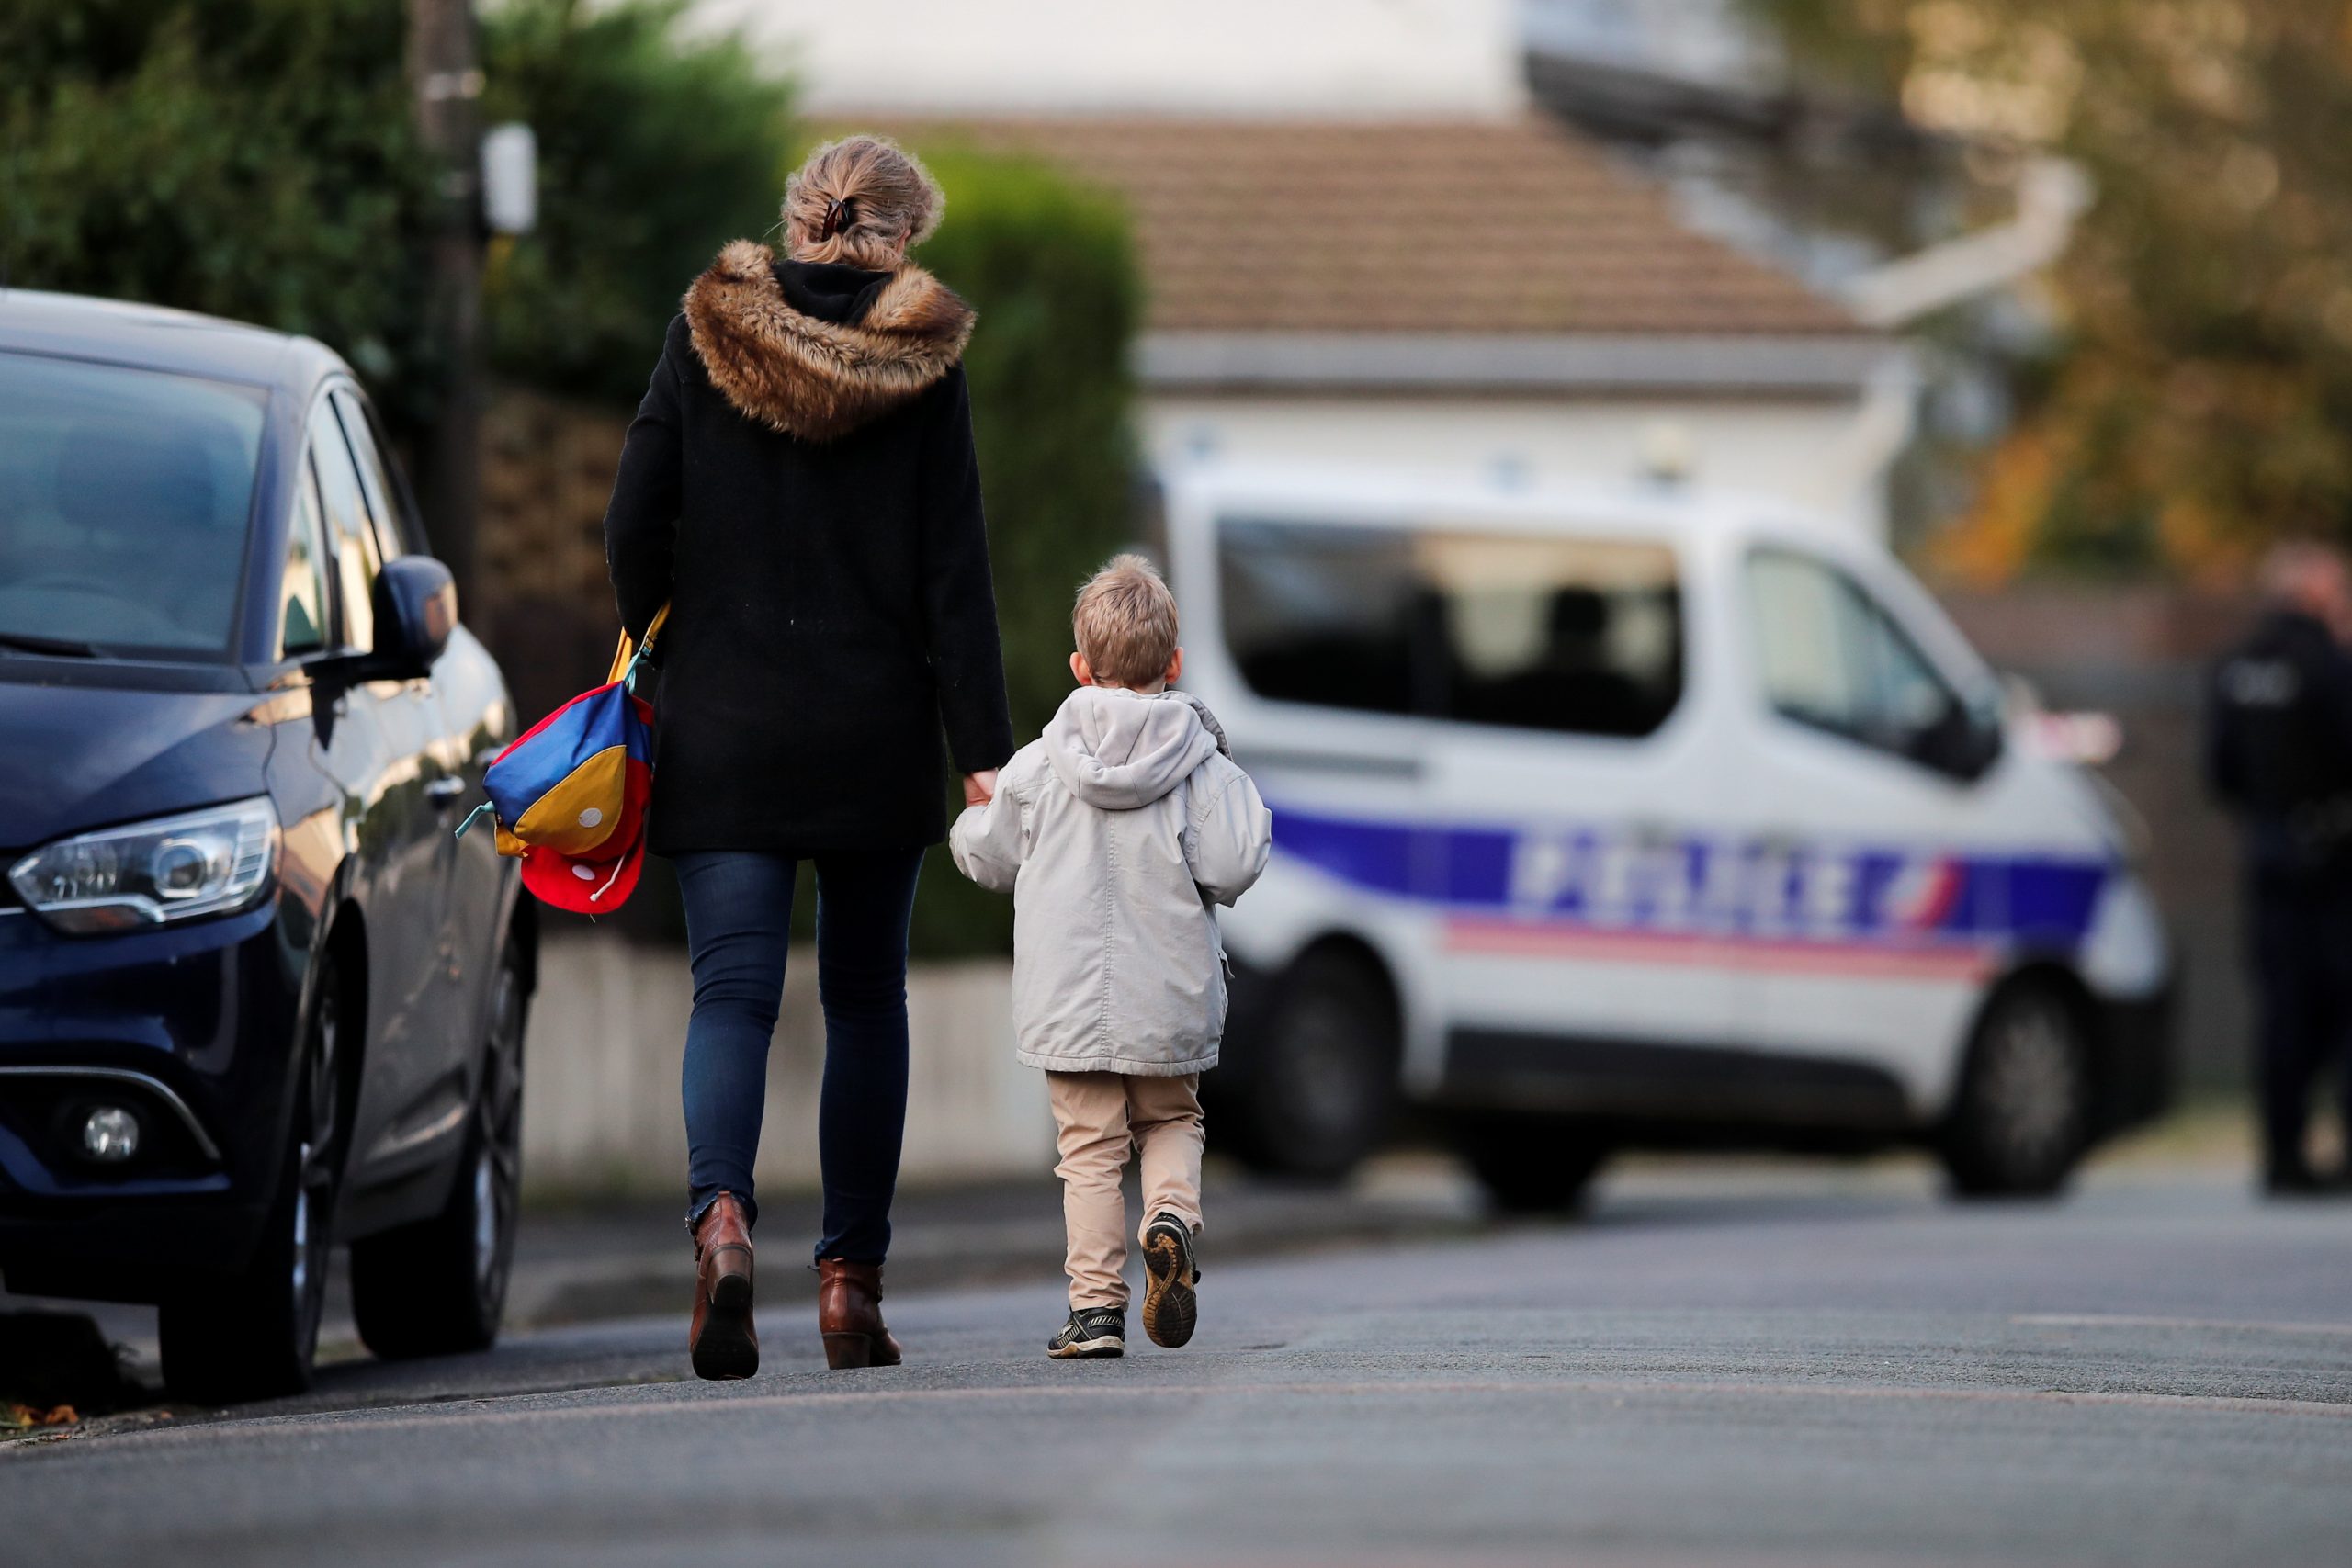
x,y
445,793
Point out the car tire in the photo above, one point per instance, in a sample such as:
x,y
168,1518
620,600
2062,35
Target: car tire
x,y
1317,1083
2021,1118
437,1286
1529,1166
254,1335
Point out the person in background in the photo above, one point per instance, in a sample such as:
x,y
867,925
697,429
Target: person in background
x,y
2280,755
799,487
1115,832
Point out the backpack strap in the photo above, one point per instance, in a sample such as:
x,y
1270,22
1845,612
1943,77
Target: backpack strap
x,y
626,655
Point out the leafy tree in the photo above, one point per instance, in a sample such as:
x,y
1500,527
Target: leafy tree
x,y
250,158
2200,400
654,150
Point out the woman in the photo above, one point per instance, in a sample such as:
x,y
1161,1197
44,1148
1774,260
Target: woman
x,y
799,487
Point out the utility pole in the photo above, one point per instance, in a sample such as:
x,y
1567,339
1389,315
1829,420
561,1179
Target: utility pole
x,y
446,74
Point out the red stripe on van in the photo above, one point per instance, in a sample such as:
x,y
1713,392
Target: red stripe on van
x,y
1558,938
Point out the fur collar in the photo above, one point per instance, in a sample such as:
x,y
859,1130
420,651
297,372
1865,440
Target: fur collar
x,y
814,378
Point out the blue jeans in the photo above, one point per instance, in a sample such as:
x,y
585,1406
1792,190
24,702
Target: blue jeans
x,y
739,923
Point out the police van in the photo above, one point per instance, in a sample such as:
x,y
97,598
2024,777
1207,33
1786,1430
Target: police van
x,y
1607,818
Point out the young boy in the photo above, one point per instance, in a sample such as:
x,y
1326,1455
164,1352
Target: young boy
x,y
1115,833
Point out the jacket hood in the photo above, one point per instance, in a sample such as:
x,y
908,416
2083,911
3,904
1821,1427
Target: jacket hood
x,y
1118,749
808,375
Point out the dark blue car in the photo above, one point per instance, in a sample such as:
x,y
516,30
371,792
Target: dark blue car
x,y
254,997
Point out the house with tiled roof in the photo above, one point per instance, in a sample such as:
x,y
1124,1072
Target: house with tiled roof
x,y
1383,254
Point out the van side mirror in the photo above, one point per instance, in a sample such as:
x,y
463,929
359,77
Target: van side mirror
x,y
1960,742
417,609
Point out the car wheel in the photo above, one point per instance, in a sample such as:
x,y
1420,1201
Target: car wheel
x,y
2020,1118
437,1287
1318,1078
1529,1166
253,1336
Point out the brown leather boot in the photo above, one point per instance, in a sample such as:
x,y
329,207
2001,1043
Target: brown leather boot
x,y
722,1340
849,1315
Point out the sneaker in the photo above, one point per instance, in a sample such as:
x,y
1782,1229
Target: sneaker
x,y
1090,1331
1170,1310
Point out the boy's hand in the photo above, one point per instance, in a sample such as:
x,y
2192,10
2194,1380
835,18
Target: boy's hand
x,y
979,788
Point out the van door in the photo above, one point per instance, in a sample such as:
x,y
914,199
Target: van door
x,y
1889,892
1569,783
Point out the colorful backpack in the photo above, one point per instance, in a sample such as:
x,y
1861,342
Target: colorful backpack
x,y
569,794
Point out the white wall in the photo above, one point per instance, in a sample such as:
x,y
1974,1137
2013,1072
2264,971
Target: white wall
x,y
1830,457
1349,58
600,1078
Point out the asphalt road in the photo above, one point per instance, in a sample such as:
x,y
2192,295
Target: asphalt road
x,y
1803,1369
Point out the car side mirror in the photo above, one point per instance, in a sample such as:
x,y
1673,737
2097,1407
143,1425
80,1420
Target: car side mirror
x,y
417,609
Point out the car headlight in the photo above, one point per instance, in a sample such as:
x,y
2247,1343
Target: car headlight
x,y
175,868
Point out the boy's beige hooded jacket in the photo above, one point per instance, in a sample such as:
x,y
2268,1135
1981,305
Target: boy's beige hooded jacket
x,y
1114,832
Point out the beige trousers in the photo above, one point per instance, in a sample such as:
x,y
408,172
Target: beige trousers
x,y
1097,1117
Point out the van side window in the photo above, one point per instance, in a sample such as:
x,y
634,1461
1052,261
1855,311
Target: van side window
x,y
1576,636
305,598
1579,636
1320,614
1833,659
357,557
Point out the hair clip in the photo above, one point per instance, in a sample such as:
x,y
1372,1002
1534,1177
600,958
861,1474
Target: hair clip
x,y
839,215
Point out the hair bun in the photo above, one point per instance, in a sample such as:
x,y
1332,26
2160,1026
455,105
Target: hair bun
x,y
861,200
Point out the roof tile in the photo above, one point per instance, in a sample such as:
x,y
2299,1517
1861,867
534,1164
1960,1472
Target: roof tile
x,y
1510,227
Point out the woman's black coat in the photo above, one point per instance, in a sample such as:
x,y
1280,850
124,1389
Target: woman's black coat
x,y
799,485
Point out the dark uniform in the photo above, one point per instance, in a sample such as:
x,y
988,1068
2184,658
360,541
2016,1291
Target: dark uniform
x,y
2280,753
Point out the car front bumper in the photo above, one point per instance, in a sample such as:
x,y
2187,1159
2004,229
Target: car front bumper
x,y
191,1028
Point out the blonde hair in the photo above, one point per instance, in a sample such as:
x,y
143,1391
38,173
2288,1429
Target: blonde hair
x,y
861,200
1125,622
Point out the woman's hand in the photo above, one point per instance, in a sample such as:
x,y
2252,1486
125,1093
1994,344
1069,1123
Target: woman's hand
x,y
979,788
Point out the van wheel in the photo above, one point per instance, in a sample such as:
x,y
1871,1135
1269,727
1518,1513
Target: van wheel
x,y
1320,1077
254,1335
437,1287
2021,1117
1529,1166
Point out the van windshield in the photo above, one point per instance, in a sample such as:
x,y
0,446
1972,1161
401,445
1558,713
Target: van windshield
x,y
123,503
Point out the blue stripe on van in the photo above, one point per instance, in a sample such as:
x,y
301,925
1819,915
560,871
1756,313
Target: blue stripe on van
x,y
1589,878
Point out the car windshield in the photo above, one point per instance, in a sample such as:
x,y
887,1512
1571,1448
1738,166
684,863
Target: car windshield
x,y
123,500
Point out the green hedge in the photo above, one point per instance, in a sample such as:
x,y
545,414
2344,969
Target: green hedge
x,y
250,158
1048,265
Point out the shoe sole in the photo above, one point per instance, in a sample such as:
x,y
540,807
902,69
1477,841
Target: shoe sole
x,y
846,1349
726,1350
1171,1308
1091,1351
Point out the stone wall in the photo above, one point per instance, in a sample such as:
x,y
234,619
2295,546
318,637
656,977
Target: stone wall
x,y
601,1111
